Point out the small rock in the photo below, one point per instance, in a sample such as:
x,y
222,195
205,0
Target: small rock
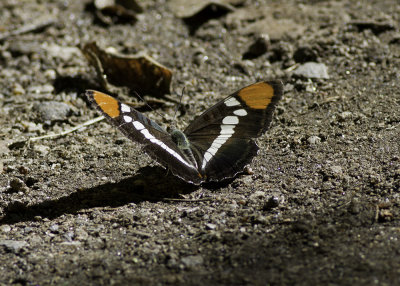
x,y
312,70
314,140
65,53
374,26
337,171
260,219
32,127
345,115
257,195
211,226
54,228
28,229
52,111
385,215
42,149
13,245
18,48
395,39
272,203
354,206
192,261
17,185
200,57
18,89
305,54
50,74
259,47
43,89
172,261
81,234
5,228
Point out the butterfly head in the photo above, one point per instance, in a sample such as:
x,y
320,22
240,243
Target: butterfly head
x,y
180,139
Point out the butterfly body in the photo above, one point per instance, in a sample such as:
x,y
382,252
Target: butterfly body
x,y
217,145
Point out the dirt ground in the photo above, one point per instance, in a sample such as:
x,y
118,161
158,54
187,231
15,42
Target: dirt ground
x,y
321,206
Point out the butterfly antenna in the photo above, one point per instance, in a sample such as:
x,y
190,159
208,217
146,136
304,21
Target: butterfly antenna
x,y
142,99
180,103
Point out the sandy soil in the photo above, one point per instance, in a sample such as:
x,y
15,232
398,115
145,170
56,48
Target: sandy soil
x,y
322,204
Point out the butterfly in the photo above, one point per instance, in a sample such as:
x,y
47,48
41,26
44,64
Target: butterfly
x,y
217,145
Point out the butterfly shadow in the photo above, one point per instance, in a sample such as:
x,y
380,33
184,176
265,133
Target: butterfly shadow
x,y
150,184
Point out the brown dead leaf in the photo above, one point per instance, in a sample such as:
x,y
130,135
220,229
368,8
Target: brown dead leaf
x,y
138,72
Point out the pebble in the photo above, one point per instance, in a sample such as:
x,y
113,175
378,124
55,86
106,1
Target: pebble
x,y
5,228
345,115
65,53
314,140
305,54
211,226
52,111
312,70
54,228
257,195
192,260
259,47
18,89
17,185
42,149
44,89
337,171
13,245
272,203
50,74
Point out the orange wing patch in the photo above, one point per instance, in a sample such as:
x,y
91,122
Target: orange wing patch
x,y
257,96
108,104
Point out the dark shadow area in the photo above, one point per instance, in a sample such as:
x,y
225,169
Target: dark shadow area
x,y
150,184
218,185
72,84
209,12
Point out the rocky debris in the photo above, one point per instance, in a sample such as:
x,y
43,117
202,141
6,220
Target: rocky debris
x,y
376,27
314,140
50,112
312,70
192,261
259,47
305,54
17,185
13,246
5,228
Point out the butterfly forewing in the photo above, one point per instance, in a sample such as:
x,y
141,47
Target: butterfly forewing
x,y
136,126
223,133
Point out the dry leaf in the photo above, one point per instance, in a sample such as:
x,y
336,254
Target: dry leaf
x,y
139,72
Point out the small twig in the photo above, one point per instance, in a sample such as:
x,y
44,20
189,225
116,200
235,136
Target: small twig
x,y
87,123
292,68
141,233
27,28
187,200
376,213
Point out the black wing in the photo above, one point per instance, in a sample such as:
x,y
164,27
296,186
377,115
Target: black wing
x,y
222,136
137,127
